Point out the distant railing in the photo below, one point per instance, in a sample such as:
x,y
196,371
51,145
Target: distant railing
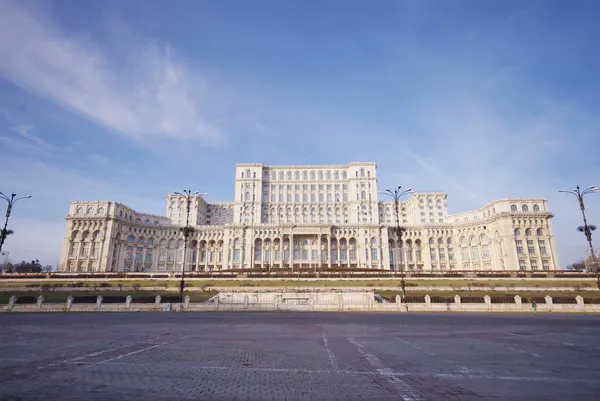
x,y
304,273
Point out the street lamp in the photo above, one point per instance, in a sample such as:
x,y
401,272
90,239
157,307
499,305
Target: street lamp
x,y
11,201
586,228
187,231
396,195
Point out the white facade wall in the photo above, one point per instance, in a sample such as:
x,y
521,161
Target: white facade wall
x,y
307,216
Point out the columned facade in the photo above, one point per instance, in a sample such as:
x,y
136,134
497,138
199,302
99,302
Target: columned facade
x,y
311,217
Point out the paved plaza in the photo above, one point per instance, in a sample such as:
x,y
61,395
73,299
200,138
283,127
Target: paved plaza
x,y
298,356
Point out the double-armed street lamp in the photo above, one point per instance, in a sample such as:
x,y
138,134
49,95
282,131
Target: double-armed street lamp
x,y
586,228
11,201
396,194
186,231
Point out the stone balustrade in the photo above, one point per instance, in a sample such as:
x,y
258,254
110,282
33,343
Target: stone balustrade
x,y
308,301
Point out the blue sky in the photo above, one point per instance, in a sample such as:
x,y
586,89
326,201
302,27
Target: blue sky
x,y
129,101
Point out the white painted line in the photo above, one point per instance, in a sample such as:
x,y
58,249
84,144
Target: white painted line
x,y
524,352
406,391
413,345
330,353
130,353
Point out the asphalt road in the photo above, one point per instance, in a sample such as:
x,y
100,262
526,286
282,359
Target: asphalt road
x,y
298,356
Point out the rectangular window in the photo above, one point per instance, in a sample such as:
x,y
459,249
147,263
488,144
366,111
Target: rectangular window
x,y
486,251
85,250
465,253
522,264
450,254
442,255
546,264
432,255
534,265
475,253
520,250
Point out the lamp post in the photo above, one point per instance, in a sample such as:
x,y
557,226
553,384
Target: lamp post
x,y
586,228
396,195
11,201
187,231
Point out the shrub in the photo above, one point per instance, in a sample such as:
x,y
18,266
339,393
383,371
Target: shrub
x,y
502,300
414,300
564,300
472,300
27,299
441,300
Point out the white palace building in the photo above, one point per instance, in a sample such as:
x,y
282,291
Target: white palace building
x,y
310,216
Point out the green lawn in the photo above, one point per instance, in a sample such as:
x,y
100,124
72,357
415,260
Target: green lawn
x,y
61,297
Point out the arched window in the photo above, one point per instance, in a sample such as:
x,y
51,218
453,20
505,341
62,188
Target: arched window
x,y
363,195
247,173
274,176
312,175
528,232
513,208
147,221
281,176
440,241
344,175
79,210
100,211
297,176
320,197
482,238
517,232
449,241
289,175
536,208
362,172
89,211
328,175
320,175
150,241
130,239
431,241
525,208
247,196
304,176
336,175
472,239
539,232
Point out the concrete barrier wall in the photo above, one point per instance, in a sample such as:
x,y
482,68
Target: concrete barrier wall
x,y
304,301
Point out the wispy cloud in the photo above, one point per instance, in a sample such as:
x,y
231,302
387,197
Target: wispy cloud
x,y
159,96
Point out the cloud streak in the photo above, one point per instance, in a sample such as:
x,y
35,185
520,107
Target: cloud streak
x,y
158,96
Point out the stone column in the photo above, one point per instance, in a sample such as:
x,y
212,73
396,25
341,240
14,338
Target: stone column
x,y
292,249
518,303
328,250
198,255
548,299
206,251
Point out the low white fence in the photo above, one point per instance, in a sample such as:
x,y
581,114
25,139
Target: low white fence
x,y
303,301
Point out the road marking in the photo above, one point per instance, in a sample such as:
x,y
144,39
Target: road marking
x,y
330,353
406,391
78,358
524,352
387,373
413,345
130,353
